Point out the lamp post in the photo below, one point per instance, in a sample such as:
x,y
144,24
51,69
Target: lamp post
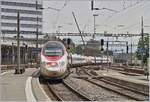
x,y
122,56
94,25
142,35
37,31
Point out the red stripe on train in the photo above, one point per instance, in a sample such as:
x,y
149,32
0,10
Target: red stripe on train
x,y
53,58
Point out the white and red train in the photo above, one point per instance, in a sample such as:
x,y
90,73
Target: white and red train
x,y
54,60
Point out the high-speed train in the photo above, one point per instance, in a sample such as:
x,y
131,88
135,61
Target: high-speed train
x,y
53,61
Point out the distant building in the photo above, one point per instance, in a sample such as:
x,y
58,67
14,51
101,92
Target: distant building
x,y
92,48
28,17
123,57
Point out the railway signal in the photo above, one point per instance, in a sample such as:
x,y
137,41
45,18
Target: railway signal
x,y
26,47
107,45
68,41
102,44
127,47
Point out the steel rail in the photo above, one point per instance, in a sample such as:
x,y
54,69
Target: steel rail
x,y
51,88
71,88
130,90
121,86
79,93
116,91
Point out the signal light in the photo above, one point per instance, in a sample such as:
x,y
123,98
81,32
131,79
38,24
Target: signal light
x,y
68,41
127,48
102,42
107,44
26,46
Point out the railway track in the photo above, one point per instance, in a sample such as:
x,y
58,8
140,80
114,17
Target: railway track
x,y
128,70
66,91
116,87
63,91
130,93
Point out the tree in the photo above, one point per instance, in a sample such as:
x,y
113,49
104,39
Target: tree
x,y
79,49
72,50
143,47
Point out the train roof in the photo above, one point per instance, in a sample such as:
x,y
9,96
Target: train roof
x,y
54,43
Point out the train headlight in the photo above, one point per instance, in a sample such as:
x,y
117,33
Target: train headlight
x,y
51,64
62,63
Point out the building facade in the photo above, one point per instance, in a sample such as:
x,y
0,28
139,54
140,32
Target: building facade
x,y
30,17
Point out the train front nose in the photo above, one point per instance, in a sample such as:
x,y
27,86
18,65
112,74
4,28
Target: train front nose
x,y
52,69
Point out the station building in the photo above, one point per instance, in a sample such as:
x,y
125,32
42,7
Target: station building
x,y
31,18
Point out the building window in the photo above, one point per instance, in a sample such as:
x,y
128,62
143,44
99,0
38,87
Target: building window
x,y
21,25
21,11
21,18
21,32
20,4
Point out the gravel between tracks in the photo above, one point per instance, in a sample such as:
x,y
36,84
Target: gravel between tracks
x,y
65,93
96,93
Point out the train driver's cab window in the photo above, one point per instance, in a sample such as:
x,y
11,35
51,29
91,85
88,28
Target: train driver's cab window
x,y
53,51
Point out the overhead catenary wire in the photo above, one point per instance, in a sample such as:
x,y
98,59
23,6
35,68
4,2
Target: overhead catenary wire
x,y
58,14
114,15
133,25
134,6
137,24
119,12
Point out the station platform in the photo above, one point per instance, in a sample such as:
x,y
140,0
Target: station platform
x,y
21,87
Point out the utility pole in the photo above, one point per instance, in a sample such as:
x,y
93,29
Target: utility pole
x,y
107,55
131,53
17,71
13,53
127,48
94,33
142,34
37,27
122,56
37,35
0,44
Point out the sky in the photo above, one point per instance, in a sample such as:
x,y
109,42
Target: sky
x,y
123,16
126,16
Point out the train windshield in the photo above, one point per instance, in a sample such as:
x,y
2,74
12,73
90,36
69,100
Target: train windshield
x,y
54,51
